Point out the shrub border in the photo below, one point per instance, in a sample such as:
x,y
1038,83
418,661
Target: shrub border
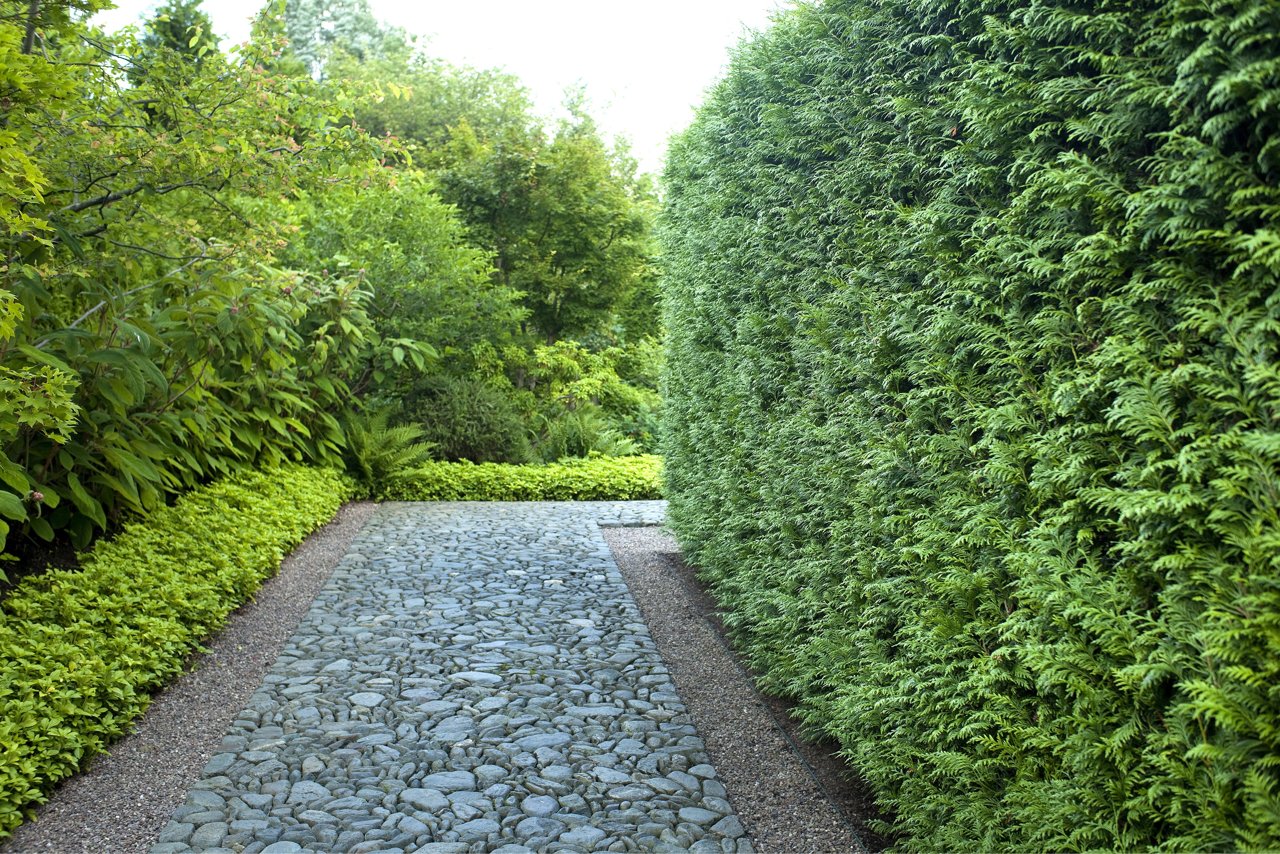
x,y
595,478
81,651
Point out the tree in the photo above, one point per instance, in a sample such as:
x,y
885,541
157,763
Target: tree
x,y
181,26
567,219
423,102
316,28
138,244
426,283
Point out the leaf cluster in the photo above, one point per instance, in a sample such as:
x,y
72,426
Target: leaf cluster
x,y
597,478
152,341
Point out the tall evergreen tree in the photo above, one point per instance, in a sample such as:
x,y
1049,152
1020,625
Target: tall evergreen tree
x,y
181,26
316,28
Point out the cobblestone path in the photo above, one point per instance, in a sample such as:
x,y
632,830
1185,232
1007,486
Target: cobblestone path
x,y
474,677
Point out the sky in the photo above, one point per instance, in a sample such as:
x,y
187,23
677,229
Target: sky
x,y
646,66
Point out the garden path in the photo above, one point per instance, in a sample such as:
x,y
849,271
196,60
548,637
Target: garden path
x,y
473,677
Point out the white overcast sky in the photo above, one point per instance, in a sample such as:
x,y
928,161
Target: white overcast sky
x,y
646,65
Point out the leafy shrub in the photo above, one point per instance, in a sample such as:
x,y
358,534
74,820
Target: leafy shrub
x,y
467,419
80,652
973,412
376,451
579,433
159,345
594,479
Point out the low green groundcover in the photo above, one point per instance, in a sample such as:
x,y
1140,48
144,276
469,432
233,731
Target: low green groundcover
x,y
591,479
81,651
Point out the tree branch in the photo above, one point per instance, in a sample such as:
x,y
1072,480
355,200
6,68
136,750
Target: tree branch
x,y
104,199
33,15
43,342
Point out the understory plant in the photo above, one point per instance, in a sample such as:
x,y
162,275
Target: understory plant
x,y
82,651
597,478
376,451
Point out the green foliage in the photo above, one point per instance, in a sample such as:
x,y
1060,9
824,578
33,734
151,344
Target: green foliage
x,y
317,29
407,248
423,102
579,433
179,26
595,479
973,411
141,249
581,400
377,451
567,219
468,419
37,401
81,652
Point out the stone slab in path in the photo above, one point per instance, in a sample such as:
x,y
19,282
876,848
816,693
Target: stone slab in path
x,y
474,677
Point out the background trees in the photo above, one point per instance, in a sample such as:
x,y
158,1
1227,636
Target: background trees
x,y
566,224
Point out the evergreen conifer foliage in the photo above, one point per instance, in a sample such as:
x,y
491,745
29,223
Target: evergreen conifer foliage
x,y
973,406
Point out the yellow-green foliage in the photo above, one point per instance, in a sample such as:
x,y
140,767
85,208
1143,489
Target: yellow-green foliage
x,y
973,412
592,479
81,652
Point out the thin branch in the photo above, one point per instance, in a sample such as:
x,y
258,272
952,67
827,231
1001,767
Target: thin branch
x,y
105,199
33,15
203,255
93,232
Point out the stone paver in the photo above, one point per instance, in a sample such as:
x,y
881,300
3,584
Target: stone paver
x,y
474,677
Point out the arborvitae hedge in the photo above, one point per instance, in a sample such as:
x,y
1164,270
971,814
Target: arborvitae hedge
x,y
974,406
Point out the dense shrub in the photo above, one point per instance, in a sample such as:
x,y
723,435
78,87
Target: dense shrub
x,y
468,419
594,479
973,406
149,340
80,652
580,433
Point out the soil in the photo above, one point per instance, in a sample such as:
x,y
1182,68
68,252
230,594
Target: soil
x,y
34,557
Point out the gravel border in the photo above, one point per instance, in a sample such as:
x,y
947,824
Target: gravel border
x,y
126,796
792,796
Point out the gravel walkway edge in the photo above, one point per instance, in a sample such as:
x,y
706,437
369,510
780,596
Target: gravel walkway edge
x,y
125,797
792,795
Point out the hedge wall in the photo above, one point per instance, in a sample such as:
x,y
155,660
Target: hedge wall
x,y
81,652
973,406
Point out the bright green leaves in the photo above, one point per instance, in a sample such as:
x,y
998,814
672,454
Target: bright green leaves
x,y
430,299
149,341
81,652
36,400
12,507
595,479
567,218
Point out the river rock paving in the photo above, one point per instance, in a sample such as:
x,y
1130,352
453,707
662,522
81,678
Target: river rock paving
x,y
474,677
